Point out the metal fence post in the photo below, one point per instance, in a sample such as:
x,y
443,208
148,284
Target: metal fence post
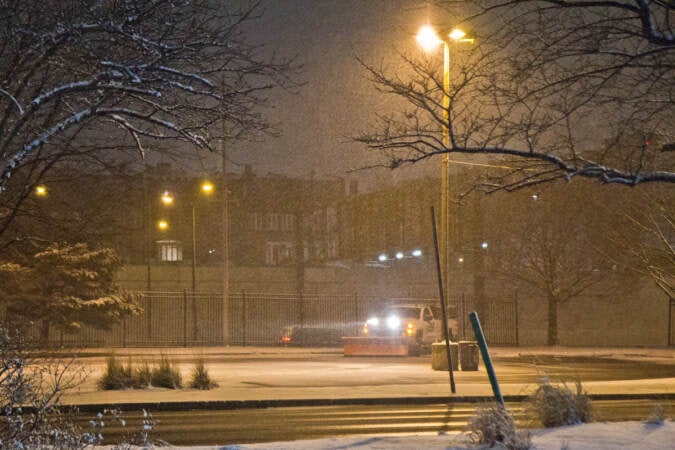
x,y
356,313
195,334
148,298
302,309
515,310
184,318
243,318
671,304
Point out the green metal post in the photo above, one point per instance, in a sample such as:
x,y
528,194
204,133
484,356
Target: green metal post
x,y
480,338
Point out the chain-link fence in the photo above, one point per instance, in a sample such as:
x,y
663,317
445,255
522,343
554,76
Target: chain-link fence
x,y
187,319
671,329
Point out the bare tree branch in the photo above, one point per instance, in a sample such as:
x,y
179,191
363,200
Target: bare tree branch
x,y
567,84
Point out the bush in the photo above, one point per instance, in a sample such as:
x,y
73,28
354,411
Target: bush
x,y
30,393
166,374
557,406
200,377
118,376
494,425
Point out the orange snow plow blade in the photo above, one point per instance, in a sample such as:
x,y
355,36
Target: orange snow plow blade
x,y
374,346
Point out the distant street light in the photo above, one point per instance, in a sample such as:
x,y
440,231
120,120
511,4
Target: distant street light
x,y
429,41
41,190
207,187
162,225
167,198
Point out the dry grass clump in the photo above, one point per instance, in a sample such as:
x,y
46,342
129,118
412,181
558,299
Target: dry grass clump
x,y
494,426
200,377
166,374
118,375
558,405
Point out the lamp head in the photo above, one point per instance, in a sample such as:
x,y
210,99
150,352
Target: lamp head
x,y
428,39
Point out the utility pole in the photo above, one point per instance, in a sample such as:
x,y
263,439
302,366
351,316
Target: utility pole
x,y
225,237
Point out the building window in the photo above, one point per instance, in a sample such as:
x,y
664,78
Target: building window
x,y
255,221
272,221
287,221
170,251
331,220
278,253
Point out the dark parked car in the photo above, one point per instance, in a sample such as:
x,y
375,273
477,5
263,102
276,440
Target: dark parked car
x,y
310,336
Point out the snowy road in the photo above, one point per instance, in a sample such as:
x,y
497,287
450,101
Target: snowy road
x,y
287,424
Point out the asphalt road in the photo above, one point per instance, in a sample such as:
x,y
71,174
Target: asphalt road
x,y
223,427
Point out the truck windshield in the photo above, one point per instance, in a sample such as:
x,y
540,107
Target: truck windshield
x,y
407,313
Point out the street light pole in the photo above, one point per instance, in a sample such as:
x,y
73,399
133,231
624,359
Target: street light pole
x,y
445,175
225,236
429,40
206,188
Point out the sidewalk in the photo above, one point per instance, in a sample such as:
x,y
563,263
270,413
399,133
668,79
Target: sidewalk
x,y
275,376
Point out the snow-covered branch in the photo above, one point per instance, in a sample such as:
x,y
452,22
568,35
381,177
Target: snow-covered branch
x,y
157,61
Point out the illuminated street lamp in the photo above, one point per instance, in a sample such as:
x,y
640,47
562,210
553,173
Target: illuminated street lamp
x,y
41,190
429,41
207,187
162,225
167,198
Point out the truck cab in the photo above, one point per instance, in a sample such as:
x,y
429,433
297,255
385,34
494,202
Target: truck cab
x,y
419,325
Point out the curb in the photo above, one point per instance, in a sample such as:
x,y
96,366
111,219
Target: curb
x,y
288,403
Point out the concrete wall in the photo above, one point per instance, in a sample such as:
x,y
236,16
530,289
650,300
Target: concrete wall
x,y
392,282
635,318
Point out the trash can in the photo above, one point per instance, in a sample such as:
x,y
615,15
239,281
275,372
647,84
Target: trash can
x,y
439,356
468,355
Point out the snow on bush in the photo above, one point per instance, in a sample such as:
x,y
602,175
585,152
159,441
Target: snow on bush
x,y
494,425
557,406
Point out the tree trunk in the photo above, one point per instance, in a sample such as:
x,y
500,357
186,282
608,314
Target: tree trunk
x,y
552,320
44,332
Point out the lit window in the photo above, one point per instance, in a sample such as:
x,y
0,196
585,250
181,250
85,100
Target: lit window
x,y
170,251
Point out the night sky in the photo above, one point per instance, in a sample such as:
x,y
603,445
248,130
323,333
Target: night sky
x,y
336,100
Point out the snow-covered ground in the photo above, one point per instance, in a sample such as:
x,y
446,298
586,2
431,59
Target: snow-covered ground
x,y
594,436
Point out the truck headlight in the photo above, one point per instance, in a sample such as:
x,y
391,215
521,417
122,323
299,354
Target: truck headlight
x,y
393,322
373,322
